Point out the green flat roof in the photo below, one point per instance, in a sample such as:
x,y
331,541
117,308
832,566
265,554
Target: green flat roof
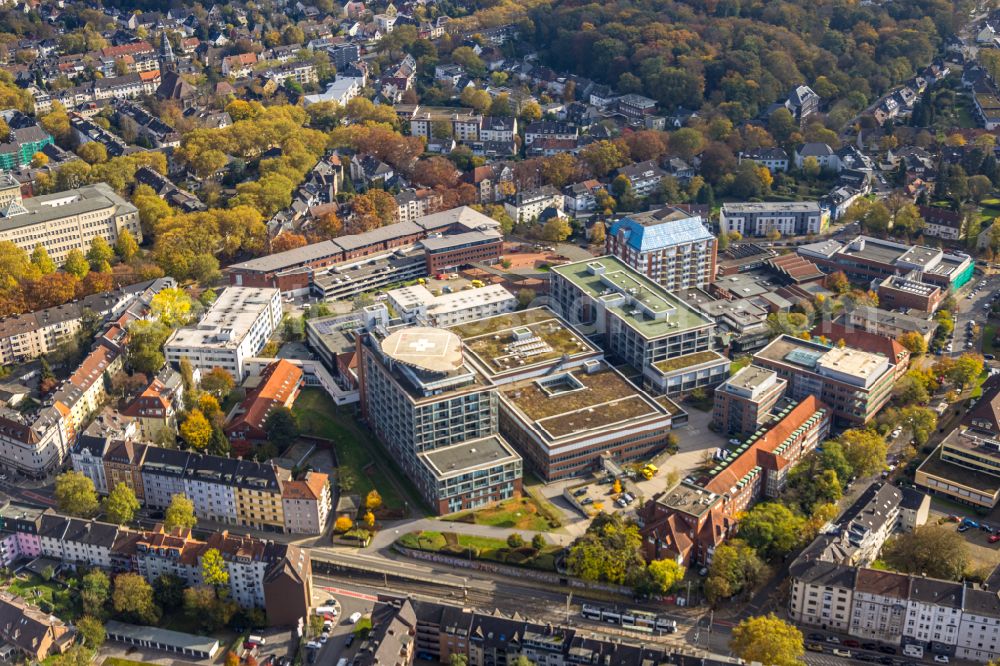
x,y
648,308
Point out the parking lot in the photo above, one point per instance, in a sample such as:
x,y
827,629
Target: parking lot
x,y
341,642
872,652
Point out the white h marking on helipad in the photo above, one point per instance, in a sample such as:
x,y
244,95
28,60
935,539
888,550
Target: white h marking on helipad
x,y
422,345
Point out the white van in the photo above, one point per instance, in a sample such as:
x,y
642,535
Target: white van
x,y
354,618
914,651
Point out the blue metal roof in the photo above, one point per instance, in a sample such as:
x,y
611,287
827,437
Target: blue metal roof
x,y
663,234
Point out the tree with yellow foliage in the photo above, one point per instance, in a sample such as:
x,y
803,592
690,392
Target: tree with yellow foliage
x,y
342,524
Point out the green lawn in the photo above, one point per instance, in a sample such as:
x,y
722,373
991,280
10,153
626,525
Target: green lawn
x,y
356,450
483,548
118,661
524,513
50,596
990,208
989,333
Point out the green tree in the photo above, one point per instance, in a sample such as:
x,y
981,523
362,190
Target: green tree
x,y
966,369
931,550
665,574
214,570
767,640
133,599
736,568
914,342
100,253
525,297
218,381
41,260
609,551
120,505
95,589
93,152
76,264
145,348
556,230
92,631
180,513
282,427
168,590
75,495
125,246
772,529
865,450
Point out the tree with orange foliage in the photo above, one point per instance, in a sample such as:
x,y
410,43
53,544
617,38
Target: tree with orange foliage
x,y
435,172
232,659
50,290
94,283
371,210
646,144
287,241
329,225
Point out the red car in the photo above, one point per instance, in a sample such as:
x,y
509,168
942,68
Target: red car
x,y
850,642
994,538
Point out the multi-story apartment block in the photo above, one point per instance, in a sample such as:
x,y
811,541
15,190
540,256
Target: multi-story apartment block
x,y
437,417
446,253
414,204
775,159
641,322
416,304
69,220
744,401
643,177
865,259
855,384
262,574
463,124
342,55
156,407
528,205
235,327
27,336
549,129
239,66
789,218
670,246
224,490
878,608
688,521
306,504
498,128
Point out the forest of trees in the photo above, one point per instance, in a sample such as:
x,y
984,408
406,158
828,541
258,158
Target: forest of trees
x,y
743,55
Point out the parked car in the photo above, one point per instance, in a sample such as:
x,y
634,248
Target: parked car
x,y
838,652
850,642
941,659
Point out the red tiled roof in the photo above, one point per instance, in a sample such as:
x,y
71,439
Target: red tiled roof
x,y
127,49
278,385
761,452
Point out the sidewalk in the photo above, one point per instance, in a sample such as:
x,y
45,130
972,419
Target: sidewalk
x,y
393,530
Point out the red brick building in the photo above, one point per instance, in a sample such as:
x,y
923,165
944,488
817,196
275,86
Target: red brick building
x,y
689,521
